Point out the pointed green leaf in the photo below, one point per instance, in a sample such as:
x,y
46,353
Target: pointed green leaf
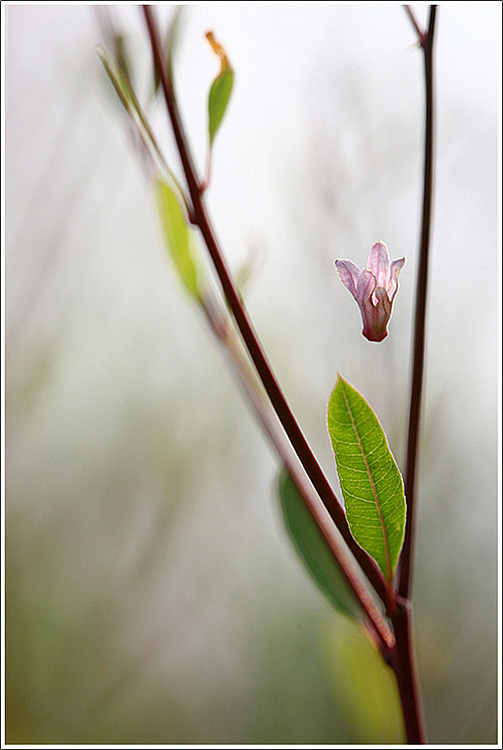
x,y
178,236
370,480
313,548
220,93
221,88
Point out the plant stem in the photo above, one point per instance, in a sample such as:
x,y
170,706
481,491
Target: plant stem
x,y
420,32
200,218
405,570
403,658
404,666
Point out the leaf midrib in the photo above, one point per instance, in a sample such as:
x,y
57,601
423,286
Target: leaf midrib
x,y
372,486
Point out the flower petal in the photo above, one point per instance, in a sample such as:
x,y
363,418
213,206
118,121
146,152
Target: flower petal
x,y
378,263
376,316
395,269
365,288
349,273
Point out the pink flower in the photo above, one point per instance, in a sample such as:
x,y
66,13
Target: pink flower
x,y
374,289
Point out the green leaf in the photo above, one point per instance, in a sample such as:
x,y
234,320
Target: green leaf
x,y
313,548
219,96
370,480
355,668
221,88
178,236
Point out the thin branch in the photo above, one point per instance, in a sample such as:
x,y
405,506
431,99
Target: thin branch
x,y
404,666
403,659
405,571
420,32
267,377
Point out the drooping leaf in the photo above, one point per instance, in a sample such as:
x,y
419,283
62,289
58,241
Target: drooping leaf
x,y
220,90
313,548
371,482
178,236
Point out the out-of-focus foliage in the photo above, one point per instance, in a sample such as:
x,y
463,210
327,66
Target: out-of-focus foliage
x,y
313,548
364,685
178,237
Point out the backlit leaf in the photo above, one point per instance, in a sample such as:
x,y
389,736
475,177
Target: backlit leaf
x,y
178,236
370,480
221,88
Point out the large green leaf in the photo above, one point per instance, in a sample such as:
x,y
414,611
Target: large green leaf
x,y
178,236
370,480
313,548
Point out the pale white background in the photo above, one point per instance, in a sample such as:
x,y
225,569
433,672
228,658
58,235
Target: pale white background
x,y
149,574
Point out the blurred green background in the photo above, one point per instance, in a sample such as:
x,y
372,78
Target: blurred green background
x,y
152,594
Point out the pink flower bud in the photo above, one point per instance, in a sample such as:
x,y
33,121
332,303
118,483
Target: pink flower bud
x,y
374,289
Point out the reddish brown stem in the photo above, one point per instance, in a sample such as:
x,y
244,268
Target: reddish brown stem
x,y
404,667
420,33
403,659
405,571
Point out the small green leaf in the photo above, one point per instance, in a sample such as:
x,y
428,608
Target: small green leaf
x,y
221,88
218,99
313,548
370,480
178,236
